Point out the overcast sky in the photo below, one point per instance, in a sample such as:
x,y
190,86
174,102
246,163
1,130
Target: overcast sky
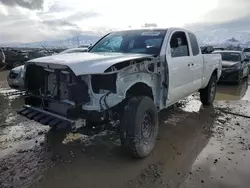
x,y
36,20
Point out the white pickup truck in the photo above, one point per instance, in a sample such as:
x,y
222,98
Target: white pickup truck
x,y
124,80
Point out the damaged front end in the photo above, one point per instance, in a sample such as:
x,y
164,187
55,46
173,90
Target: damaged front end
x,y
60,98
57,97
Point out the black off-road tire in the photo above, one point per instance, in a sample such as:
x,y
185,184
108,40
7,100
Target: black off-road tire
x,y
207,94
139,126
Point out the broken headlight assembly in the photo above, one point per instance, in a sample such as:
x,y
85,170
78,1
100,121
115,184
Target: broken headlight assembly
x,y
102,83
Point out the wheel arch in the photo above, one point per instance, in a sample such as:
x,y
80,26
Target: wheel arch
x,y
214,73
140,89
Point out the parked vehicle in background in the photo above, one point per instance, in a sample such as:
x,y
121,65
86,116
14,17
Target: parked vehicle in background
x,y
15,78
247,53
74,50
122,83
15,58
234,66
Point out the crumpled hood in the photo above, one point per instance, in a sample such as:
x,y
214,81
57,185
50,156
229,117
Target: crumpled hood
x,y
229,63
87,63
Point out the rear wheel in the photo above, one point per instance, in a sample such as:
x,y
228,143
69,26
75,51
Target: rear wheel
x,y
139,126
207,94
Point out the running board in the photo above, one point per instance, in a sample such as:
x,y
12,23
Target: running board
x,y
46,118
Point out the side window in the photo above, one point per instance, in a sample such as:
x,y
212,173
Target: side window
x,y
194,44
179,45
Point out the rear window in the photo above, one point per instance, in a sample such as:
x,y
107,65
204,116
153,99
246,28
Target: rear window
x,y
246,50
230,56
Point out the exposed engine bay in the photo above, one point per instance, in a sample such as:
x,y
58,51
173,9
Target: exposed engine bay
x,y
59,91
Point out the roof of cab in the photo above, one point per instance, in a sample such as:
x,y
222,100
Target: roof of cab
x,y
153,29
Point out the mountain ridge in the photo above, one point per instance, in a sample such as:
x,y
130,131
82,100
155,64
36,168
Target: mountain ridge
x,y
220,37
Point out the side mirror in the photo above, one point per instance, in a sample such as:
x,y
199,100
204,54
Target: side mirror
x,y
246,60
207,49
210,49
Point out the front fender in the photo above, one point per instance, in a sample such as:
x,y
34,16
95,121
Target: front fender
x,y
126,82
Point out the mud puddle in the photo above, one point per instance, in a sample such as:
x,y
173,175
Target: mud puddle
x,y
233,92
224,162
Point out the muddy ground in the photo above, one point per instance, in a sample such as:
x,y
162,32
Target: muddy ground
x,y
196,147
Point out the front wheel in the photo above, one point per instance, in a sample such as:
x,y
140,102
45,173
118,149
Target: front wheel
x,y
207,94
139,126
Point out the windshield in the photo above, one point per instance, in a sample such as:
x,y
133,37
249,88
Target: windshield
x,y
230,56
140,41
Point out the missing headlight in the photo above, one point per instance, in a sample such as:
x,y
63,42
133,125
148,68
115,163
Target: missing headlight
x,y
103,82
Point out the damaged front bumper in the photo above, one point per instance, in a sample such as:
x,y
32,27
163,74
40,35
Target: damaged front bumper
x,y
70,116
48,118
230,75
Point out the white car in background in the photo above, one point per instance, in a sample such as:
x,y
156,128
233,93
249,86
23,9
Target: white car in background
x,y
15,76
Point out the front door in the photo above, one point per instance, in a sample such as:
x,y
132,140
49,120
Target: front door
x,y
179,63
